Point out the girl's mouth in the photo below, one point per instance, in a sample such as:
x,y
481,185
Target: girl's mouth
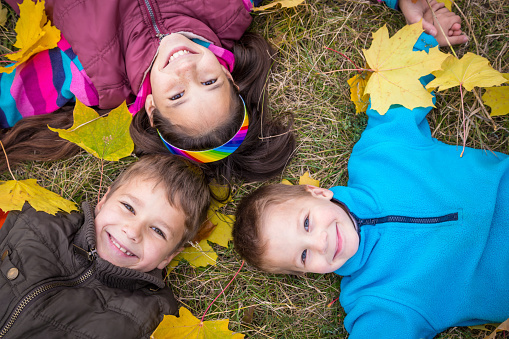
x,y
178,52
122,249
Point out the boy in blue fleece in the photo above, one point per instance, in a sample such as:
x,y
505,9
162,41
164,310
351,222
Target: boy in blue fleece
x,y
419,234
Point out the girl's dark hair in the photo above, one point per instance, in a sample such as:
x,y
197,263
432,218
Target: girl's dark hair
x,y
30,139
266,150
269,143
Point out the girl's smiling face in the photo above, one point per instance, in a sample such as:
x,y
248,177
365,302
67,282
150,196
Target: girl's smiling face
x,y
308,234
136,227
189,86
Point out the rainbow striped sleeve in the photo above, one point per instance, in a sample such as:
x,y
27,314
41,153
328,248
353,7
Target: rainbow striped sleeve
x,y
43,84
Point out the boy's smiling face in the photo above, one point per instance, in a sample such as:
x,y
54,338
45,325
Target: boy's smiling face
x,y
136,227
308,234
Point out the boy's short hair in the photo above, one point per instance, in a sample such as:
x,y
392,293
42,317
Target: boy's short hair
x,y
185,184
247,238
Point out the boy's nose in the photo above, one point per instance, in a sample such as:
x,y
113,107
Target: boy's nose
x,y
132,231
321,242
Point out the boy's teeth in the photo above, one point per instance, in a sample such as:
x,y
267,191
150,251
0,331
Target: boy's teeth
x,y
179,53
121,248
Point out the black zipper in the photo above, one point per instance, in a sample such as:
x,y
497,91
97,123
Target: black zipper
x,y
407,220
38,291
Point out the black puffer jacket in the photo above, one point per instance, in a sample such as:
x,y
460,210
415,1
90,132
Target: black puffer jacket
x,y
50,289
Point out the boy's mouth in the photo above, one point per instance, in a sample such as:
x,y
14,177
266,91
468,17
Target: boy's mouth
x,y
119,246
339,245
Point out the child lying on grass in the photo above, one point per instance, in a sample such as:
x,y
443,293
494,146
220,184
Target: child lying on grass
x,y
98,274
419,234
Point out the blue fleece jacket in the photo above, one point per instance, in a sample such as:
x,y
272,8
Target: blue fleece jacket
x,y
434,231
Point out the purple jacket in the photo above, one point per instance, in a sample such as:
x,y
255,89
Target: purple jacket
x,y
116,40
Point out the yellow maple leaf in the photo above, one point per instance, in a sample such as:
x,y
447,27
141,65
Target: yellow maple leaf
x,y
14,194
188,326
470,71
198,255
498,99
286,182
357,86
34,33
306,179
283,3
397,69
447,3
3,15
106,138
202,254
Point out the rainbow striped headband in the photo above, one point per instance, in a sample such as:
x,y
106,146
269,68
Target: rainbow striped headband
x,y
217,153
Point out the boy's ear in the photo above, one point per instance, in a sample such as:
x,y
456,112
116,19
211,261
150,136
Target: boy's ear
x,y
169,258
319,192
149,108
100,204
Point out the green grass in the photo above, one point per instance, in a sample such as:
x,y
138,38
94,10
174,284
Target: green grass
x,y
270,306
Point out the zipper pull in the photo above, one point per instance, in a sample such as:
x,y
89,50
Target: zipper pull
x,y
160,36
92,254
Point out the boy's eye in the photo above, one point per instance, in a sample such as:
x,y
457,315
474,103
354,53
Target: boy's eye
x,y
209,82
177,96
159,232
306,224
128,207
303,256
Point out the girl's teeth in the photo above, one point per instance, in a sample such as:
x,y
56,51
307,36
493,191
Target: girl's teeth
x,y
177,54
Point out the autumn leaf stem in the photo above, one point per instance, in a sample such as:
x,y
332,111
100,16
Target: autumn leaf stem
x,y
224,289
7,160
344,56
100,181
464,122
360,70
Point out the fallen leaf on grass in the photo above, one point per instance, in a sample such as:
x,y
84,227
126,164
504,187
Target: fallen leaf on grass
x,y
220,232
3,16
502,327
357,86
14,194
188,326
34,33
447,3
470,71
498,99
283,3
106,138
306,179
397,69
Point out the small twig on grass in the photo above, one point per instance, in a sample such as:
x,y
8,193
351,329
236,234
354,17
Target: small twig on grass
x,y
7,160
224,289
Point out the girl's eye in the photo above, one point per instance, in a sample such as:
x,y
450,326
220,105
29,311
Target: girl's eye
x,y
209,82
306,224
177,96
303,256
159,232
128,207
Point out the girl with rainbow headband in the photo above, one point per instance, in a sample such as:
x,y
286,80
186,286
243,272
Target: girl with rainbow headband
x,y
194,81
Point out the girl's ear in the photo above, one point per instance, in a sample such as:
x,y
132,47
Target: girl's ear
x,y
167,260
149,108
319,192
99,205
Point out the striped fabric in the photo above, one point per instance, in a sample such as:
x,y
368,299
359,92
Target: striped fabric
x,y
43,84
